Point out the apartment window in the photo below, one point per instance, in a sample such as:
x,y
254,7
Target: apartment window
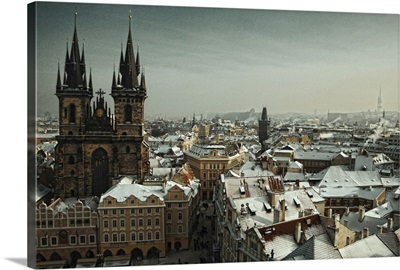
x,y
140,210
132,201
157,235
122,223
169,205
149,235
114,223
123,239
92,239
72,240
148,210
169,228
54,241
82,239
106,238
169,216
140,222
133,236
157,210
122,211
105,212
157,222
109,202
180,204
115,237
105,223
180,229
133,222
149,222
132,211
114,212
43,241
140,236
180,215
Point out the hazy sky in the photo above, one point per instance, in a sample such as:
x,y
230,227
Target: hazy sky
x,y
200,60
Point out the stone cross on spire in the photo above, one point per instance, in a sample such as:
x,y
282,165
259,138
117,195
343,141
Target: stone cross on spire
x,y
100,92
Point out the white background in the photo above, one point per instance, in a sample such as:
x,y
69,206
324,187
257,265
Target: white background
x,y
14,125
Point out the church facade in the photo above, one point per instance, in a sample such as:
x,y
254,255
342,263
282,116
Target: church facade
x,y
95,146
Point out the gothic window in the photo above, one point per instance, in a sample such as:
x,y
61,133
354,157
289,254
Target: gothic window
x,y
128,114
71,160
72,113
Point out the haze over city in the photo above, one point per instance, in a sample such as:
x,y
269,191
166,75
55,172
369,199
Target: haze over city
x,y
200,60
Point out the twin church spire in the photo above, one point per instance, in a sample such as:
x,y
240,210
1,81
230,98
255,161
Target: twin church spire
x,y
75,76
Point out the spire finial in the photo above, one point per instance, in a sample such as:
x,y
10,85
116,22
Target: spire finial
x,y
130,19
76,14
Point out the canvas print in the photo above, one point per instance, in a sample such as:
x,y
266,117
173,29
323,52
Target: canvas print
x,y
168,135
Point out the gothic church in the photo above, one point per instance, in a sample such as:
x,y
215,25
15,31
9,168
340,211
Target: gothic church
x,y
94,146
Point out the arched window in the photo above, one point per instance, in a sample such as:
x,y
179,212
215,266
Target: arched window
x,y
128,114
72,113
71,160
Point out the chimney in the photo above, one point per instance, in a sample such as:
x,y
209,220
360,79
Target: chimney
x,y
380,228
390,224
337,217
330,213
366,232
297,183
283,209
277,215
273,199
347,211
297,233
361,214
345,222
301,213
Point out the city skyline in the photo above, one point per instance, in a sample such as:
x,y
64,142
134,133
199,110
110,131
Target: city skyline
x,y
222,60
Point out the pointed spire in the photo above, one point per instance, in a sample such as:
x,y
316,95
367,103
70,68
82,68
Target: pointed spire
x,y
143,81
264,114
90,82
128,71
121,61
58,77
137,61
84,81
114,82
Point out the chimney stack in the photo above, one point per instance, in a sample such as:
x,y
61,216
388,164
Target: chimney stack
x,y
361,214
277,215
297,233
380,229
366,232
283,209
330,213
301,213
390,224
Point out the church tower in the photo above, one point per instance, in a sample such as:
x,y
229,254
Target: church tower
x,y
263,128
95,147
73,92
129,96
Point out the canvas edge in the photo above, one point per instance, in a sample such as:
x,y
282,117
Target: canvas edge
x,y
31,118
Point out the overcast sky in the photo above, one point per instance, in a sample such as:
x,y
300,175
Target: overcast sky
x,y
200,60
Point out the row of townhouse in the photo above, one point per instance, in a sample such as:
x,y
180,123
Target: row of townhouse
x,y
130,220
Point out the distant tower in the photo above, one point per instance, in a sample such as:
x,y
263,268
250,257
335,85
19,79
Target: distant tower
x,y
379,108
263,127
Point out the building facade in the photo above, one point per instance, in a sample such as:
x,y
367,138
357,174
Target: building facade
x,y
66,233
209,161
